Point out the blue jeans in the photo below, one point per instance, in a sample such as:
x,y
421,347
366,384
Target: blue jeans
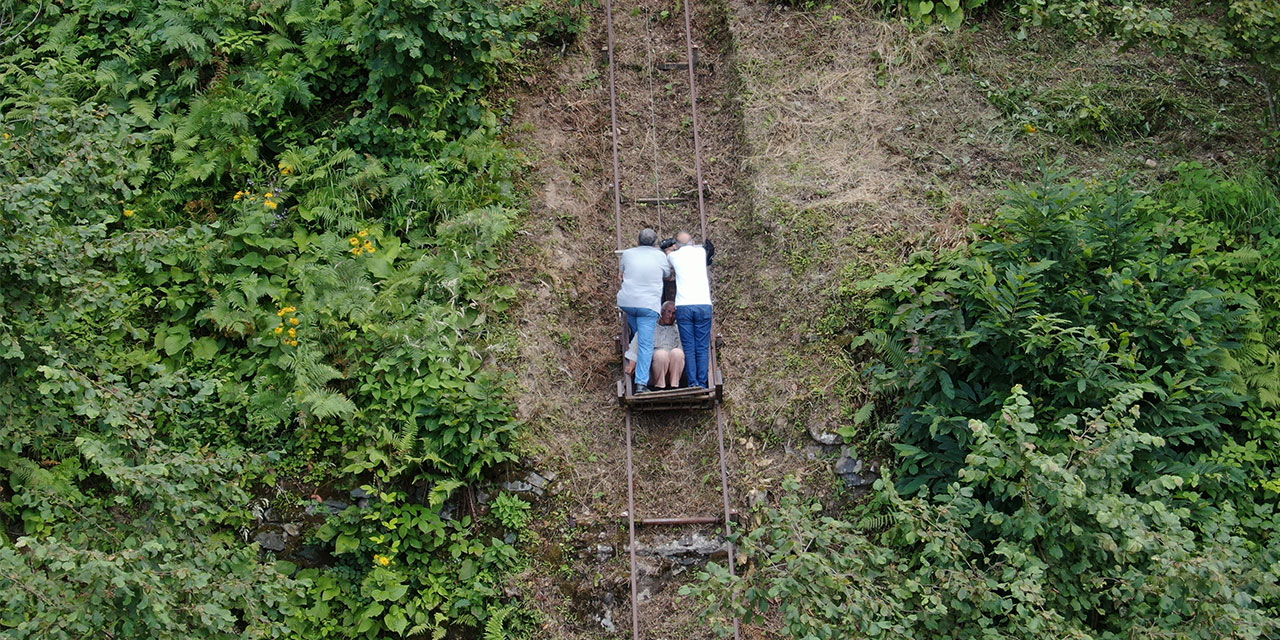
x,y
642,322
694,321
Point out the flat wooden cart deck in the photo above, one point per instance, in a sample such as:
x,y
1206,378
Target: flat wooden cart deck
x,y
671,399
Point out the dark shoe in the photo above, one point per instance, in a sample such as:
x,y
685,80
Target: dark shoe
x,y
642,388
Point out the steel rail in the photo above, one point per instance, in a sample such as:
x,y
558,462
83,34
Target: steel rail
x,y
613,131
617,222
702,216
653,114
693,106
631,533
724,492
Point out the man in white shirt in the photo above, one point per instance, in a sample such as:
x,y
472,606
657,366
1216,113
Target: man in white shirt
x,y
643,268
693,307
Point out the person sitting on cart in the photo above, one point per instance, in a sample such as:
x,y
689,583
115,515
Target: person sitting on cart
x,y
643,269
668,356
693,306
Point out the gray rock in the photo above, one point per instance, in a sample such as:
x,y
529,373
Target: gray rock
x,y
606,621
536,480
604,552
336,506
693,545
855,480
854,472
510,538
757,498
549,475
848,465
827,439
269,540
292,529
482,497
359,493
517,486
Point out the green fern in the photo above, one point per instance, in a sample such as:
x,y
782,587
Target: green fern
x,y
495,626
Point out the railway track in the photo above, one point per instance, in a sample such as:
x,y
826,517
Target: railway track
x,y
658,201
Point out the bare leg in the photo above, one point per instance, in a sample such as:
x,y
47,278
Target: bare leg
x,y
676,368
658,372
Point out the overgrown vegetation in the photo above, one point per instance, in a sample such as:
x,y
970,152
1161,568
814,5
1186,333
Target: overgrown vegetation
x,y
247,246
1242,31
1085,415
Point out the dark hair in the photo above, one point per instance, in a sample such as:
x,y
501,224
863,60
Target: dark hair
x,y
648,237
669,242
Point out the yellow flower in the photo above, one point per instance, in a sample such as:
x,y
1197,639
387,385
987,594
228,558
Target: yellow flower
x,y
371,249
357,251
363,233
367,245
293,333
382,560
128,213
354,241
269,194
290,309
293,343
279,330
271,205
7,136
293,321
281,312
237,196
1029,128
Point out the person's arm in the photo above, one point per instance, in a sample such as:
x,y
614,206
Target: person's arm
x,y
668,270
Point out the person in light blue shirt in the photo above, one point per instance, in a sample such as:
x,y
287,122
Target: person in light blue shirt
x,y
643,269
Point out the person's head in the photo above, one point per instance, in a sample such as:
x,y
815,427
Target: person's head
x,y
648,238
668,313
684,239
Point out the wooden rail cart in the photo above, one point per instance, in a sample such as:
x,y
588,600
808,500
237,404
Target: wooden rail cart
x,y
670,399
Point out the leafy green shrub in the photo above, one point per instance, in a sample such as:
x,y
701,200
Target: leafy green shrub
x,y
1036,538
1246,205
404,570
224,225
132,541
1080,295
512,511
